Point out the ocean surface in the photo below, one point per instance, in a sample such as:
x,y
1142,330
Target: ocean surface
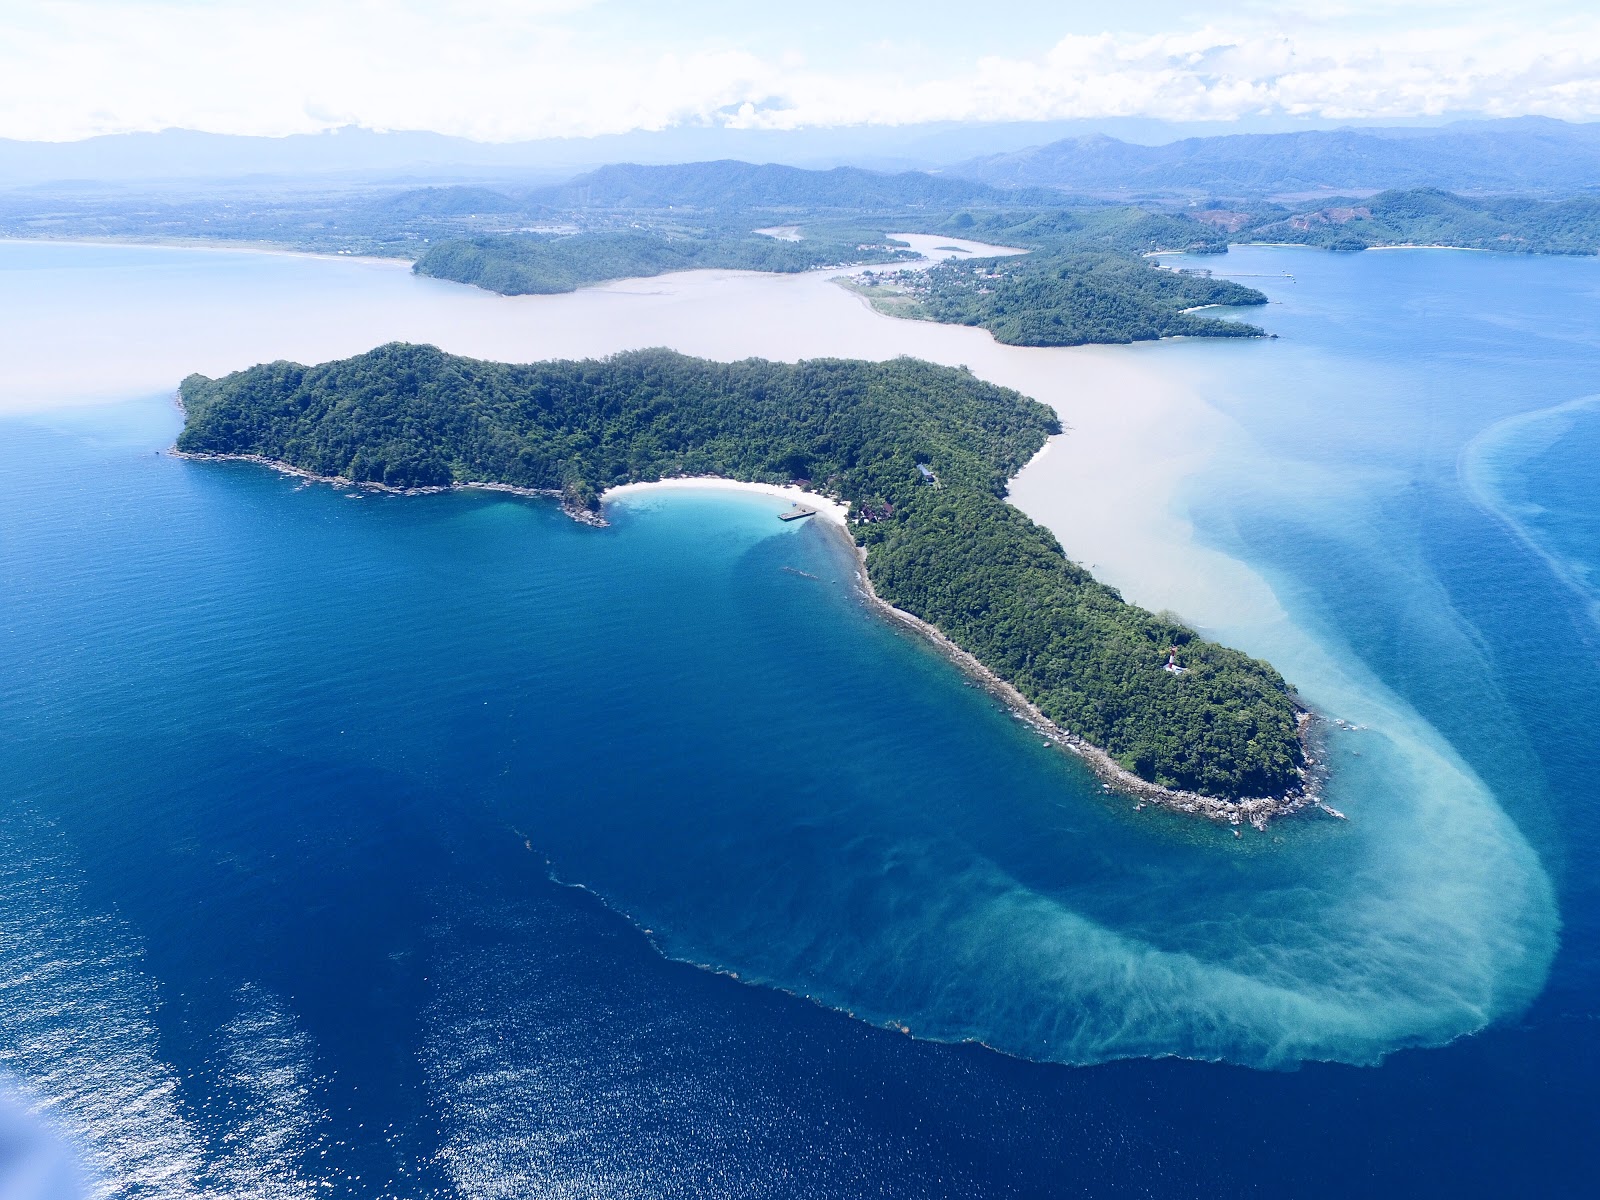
x,y
379,846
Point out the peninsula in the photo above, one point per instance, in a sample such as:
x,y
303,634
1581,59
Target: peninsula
x,y
922,456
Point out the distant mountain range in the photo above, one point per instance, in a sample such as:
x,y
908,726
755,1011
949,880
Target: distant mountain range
x,y
353,154
1528,154
728,184
724,186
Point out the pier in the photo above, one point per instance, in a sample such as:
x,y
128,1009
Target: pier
x,y
795,513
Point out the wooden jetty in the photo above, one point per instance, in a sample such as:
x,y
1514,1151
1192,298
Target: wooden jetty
x,y
795,513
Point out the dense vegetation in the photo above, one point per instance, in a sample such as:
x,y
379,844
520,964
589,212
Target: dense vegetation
x,y
520,265
1122,229
1066,299
1429,217
955,553
1422,216
1083,279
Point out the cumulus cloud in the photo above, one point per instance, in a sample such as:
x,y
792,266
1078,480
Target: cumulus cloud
x,y
507,69
1221,74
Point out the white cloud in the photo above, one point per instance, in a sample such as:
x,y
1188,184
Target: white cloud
x,y
1215,74
504,69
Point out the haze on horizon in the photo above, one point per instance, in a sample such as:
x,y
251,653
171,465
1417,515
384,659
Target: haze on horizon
x,y
507,70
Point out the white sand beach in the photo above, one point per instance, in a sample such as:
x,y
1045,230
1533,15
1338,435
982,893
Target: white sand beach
x,y
829,510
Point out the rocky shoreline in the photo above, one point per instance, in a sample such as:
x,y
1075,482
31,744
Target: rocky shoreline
x,y
581,515
1255,811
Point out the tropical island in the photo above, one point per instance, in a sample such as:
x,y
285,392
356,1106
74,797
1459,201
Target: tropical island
x,y
922,456
526,266
1062,297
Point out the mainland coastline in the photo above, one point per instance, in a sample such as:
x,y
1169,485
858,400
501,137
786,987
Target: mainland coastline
x,y
210,246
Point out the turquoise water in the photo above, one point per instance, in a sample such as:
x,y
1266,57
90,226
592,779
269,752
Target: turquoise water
x,y
1414,474
296,780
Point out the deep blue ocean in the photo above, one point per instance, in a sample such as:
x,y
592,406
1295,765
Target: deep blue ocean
x,y
433,846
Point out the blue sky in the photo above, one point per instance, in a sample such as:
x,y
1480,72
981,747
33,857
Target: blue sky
x,y
510,69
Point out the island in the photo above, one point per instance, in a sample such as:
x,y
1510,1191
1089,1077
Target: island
x,y
1055,297
920,454
527,265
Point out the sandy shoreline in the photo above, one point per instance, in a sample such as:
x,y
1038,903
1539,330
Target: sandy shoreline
x,y
830,510
923,244
1435,246
219,246
834,512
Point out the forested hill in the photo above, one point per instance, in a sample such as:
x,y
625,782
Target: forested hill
x,y
518,265
1430,217
1084,279
955,554
1056,298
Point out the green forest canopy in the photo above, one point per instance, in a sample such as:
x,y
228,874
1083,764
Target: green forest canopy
x,y
957,554
1430,217
1056,298
522,265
